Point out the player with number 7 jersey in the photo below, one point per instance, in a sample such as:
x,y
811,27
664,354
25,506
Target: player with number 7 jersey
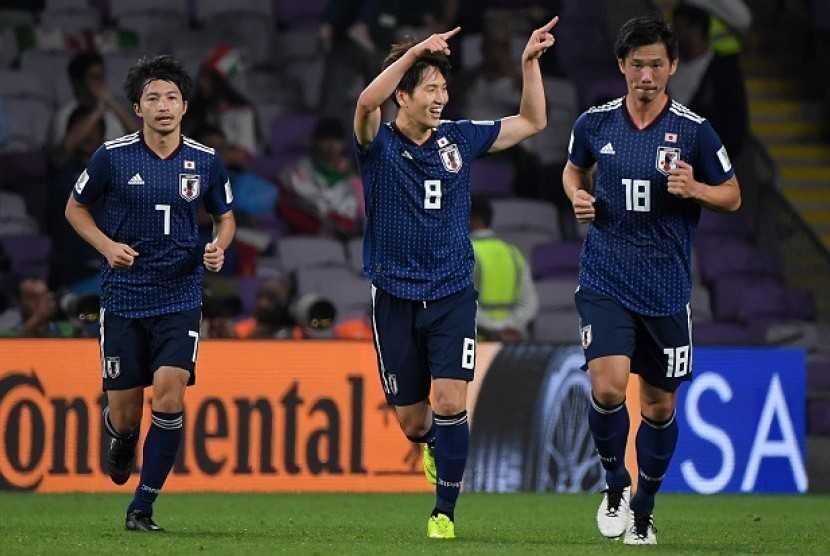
x,y
151,184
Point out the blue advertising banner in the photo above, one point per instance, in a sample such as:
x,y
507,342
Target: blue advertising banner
x,y
742,423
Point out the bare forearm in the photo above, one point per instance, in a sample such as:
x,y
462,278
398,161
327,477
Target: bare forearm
x,y
224,228
384,85
533,107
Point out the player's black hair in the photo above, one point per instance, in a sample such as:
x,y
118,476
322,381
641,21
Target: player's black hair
x,y
643,31
480,207
164,67
80,64
415,73
697,18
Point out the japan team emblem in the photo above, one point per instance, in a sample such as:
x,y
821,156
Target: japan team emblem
x,y
112,366
667,158
587,337
451,158
189,186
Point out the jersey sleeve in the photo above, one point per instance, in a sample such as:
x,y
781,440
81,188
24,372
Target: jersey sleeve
x,y
713,166
361,153
578,152
480,134
94,181
219,199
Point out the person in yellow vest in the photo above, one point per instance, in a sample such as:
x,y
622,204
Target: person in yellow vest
x,y
507,298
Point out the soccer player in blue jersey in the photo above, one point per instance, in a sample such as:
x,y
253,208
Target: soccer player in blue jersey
x,y
152,183
416,251
639,170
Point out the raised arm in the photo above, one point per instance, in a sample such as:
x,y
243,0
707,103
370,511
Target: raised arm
x,y
367,112
532,117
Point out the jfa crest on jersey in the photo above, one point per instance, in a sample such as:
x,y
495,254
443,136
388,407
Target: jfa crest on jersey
x,y
189,186
416,244
151,204
638,249
451,158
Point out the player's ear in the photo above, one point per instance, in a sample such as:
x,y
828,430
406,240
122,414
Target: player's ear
x,y
673,66
137,109
621,65
185,104
400,95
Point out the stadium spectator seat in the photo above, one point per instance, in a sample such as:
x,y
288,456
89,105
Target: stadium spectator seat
x,y
301,14
471,49
556,259
593,70
347,290
720,255
354,251
13,217
492,178
525,240
818,397
525,215
70,19
291,133
701,303
28,123
159,24
724,334
551,144
29,254
307,251
50,66
247,288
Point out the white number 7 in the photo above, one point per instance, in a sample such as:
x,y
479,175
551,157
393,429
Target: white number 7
x,y
166,210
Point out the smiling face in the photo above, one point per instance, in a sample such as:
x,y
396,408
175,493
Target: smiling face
x,y
423,107
161,107
647,70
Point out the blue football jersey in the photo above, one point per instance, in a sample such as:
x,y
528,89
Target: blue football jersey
x,y
416,244
638,248
151,204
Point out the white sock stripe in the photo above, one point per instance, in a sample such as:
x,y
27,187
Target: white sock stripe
x,y
168,424
653,425
606,411
449,422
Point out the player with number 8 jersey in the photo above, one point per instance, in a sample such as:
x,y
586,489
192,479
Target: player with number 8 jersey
x,y
417,251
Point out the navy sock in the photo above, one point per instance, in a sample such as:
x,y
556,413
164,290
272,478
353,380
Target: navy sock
x,y
655,447
428,437
452,443
131,436
609,427
160,448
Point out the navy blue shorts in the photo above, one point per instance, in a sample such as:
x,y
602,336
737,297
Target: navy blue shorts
x,y
416,342
132,349
660,348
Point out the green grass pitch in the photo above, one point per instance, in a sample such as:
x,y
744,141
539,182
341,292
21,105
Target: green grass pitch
x,y
396,524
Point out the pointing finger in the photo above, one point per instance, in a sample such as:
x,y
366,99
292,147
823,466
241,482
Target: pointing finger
x,y
450,34
549,25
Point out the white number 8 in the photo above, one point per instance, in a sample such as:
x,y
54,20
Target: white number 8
x,y
432,194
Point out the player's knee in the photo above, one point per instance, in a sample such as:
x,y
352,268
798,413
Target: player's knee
x,y
608,395
125,418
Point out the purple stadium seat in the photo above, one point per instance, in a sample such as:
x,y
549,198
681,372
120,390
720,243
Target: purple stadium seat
x,y
728,290
301,13
269,165
248,286
726,225
718,256
818,374
309,251
556,259
771,301
723,334
291,133
492,178
29,254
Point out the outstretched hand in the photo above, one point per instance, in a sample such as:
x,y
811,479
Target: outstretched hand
x,y
540,40
435,44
